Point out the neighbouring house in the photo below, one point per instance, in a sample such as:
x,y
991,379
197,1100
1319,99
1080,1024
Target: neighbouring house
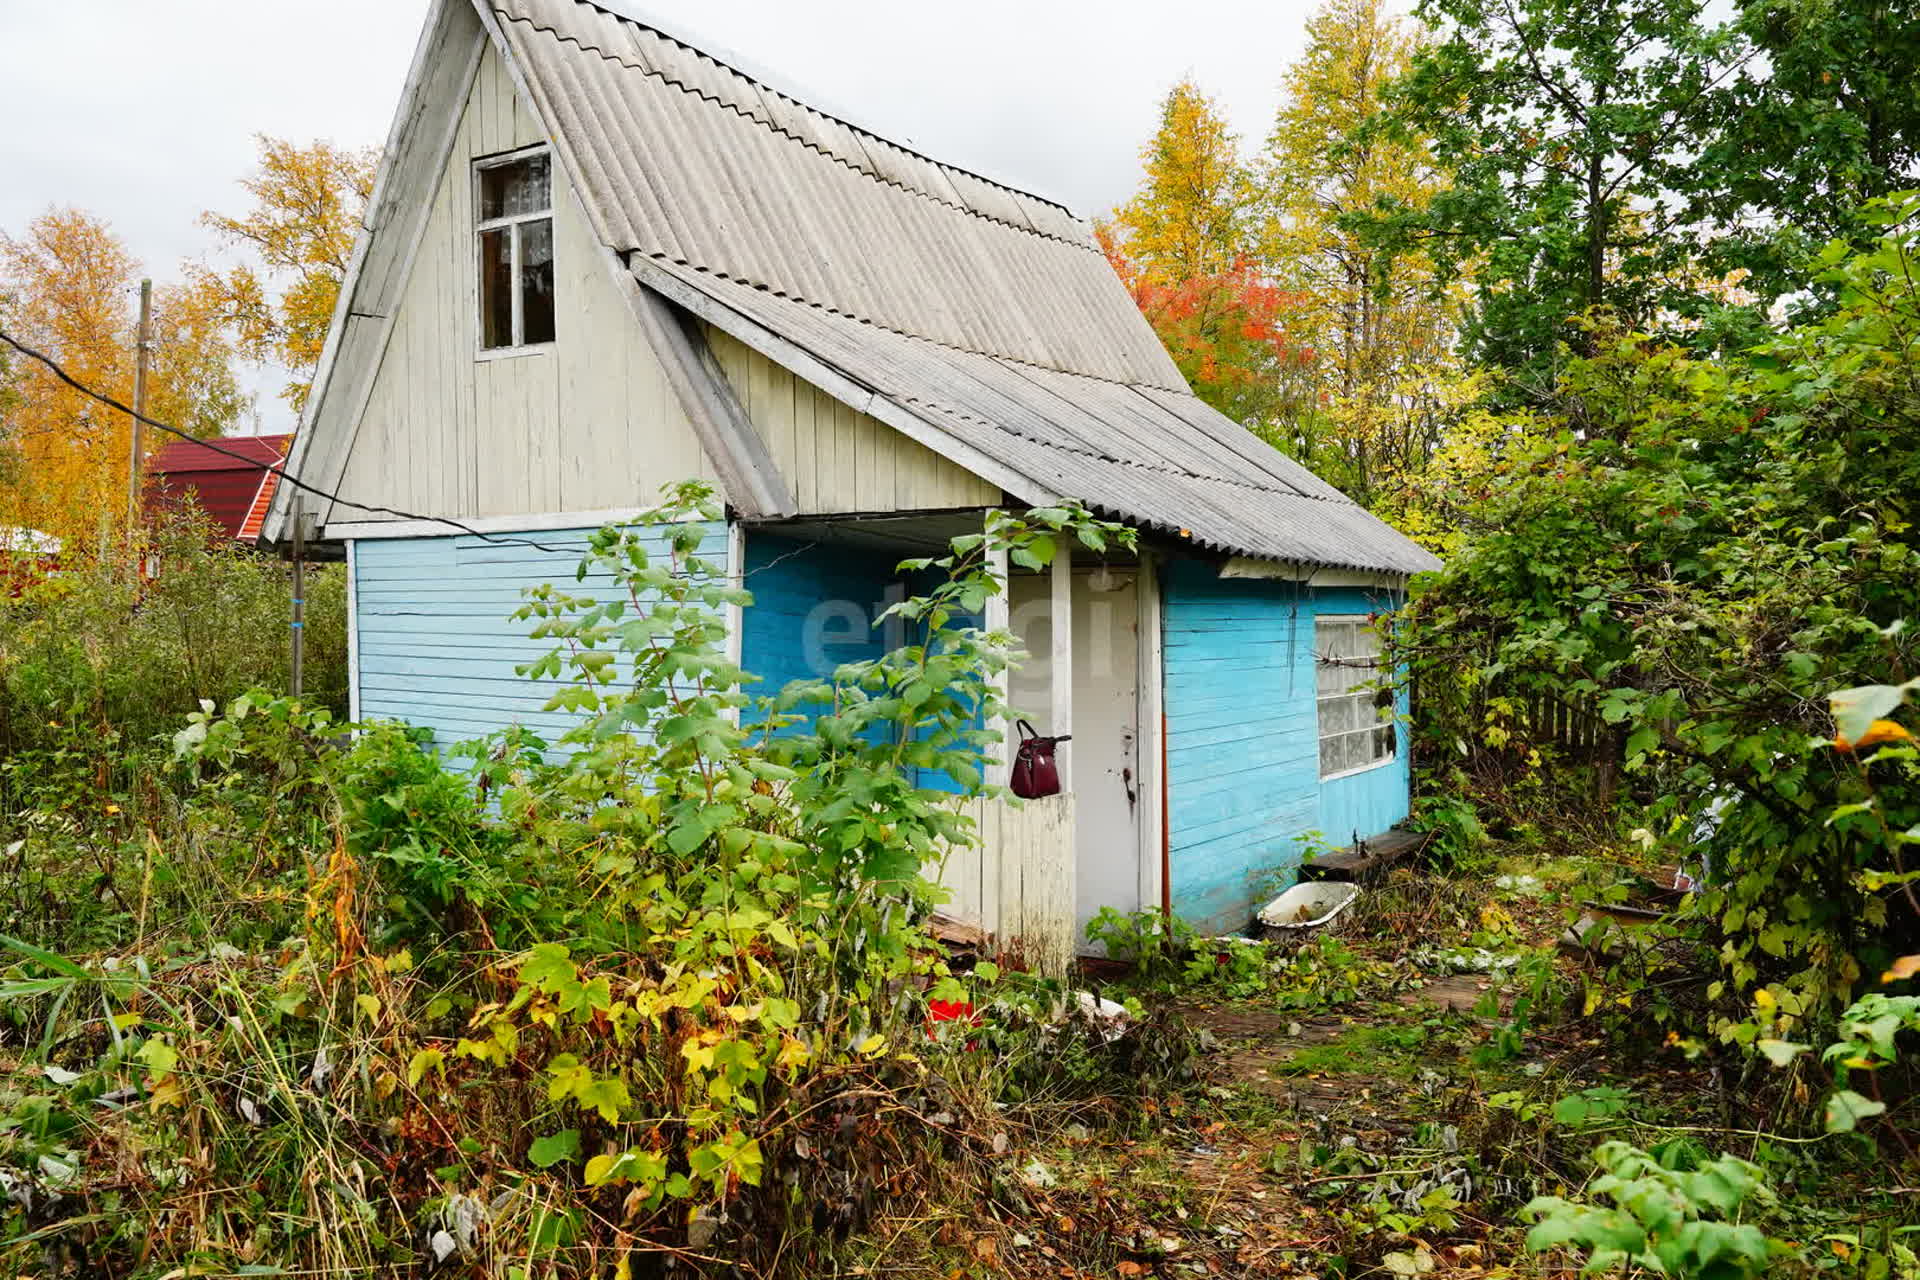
x,y
234,491
599,259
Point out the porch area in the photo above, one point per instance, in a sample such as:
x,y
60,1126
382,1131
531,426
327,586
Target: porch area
x,y
1040,869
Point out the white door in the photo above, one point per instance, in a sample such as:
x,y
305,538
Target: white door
x,y
1106,743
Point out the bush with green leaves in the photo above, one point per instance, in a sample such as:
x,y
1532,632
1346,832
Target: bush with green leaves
x,y
660,982
123,657
1678,1222
1692,559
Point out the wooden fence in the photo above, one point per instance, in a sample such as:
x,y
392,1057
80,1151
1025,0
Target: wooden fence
x,y
1578,729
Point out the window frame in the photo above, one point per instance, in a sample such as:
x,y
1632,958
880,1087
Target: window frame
x,y
1368,624
511,223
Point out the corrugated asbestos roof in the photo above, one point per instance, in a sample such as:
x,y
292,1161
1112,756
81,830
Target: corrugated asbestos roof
x,y
986,312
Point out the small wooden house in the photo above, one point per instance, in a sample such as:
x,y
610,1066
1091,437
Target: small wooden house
x,y
598,259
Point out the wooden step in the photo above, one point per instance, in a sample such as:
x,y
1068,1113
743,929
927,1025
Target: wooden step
x,y
1368,859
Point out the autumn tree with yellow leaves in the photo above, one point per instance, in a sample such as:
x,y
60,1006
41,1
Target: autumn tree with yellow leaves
x,y
1184,249
1263,282
307,204
1380,330
68,287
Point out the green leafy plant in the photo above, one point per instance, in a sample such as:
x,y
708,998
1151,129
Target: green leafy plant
x,y
1682,1223
1642,631
1159,946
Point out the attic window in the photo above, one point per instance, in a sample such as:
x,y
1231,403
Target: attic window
x,y
513,207
1356,711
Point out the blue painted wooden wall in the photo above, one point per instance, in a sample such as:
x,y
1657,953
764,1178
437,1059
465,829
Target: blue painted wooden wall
x,y
1243,758
435,644
813,609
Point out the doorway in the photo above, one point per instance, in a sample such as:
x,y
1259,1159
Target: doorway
x,y
1109,803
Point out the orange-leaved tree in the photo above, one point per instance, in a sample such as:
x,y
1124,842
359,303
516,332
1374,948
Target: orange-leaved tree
x,y
307,205
1226,330
1183,247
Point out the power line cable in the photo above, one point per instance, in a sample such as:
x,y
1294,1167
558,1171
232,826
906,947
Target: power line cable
x,y
298,483
270,468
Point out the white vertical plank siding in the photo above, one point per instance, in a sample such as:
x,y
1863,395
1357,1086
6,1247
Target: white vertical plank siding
x,y
1017,882
1152,701
587,423
833,457
999,619
353,636
1060,671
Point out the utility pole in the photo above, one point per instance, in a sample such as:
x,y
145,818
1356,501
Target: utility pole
x,y
142,341
299,591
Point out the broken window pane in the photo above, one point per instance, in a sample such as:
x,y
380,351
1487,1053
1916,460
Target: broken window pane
x,y
496,288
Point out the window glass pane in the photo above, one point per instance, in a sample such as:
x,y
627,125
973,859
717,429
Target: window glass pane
x,y
1336,639
536,281
1333,716
1351,714
508,190
496,289
1356,730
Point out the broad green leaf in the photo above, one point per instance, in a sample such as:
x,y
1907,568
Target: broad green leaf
x,y
555,1147
1846,1109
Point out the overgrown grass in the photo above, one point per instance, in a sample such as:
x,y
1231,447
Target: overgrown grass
x,y
656,992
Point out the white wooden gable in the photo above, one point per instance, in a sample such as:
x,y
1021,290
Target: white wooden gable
x,y
409,418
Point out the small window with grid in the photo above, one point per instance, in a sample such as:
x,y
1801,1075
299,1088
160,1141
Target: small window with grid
x,y
513,210
1356,711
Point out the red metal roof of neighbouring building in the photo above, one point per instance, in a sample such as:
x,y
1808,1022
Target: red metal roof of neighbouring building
x,y
234,491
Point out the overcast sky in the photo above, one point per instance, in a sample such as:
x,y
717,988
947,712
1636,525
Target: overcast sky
x,y
144,113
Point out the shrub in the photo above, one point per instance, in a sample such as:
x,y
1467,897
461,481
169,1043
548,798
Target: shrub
x,y
658,985
1703,550
91,647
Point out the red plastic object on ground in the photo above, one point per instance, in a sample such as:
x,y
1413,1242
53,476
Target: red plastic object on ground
x,y
939,1011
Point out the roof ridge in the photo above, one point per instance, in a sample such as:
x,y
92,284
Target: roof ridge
x,y
900,333
775,128
765,77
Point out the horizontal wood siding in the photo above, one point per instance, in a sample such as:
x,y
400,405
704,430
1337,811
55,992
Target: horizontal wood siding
x,y
814,606
589,423
813,609
1243,757
833,458
435,644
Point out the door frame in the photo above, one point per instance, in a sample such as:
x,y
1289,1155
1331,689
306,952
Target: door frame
x,y
1150,748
